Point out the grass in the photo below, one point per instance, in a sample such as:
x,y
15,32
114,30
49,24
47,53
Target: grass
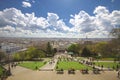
x,y
1,70
65,65
32,65
107,64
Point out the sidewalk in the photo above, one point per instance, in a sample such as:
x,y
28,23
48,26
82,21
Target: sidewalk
x,y
49,66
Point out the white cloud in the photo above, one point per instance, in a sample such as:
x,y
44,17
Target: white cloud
x,y
33,1
112,0
82,22
24,24
57,23
26,4
52,18
15,23
98,25
8,28
101,10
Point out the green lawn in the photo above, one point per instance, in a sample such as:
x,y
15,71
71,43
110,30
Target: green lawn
x,y
107,64
69,64
1,70
32,65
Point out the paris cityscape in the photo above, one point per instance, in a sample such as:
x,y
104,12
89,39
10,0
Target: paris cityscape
x,y
59,40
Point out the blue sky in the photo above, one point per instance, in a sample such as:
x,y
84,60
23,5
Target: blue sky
x,y
58,18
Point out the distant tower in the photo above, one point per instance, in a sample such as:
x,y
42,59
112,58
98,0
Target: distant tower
x,y
0,46
86,38
87,41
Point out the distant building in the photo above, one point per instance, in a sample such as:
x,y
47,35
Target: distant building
x,y
60,45
88,42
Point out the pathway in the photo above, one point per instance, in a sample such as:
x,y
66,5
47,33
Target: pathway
x,y
50,66
104,68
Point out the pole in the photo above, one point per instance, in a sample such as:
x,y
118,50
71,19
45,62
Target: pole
x,y
9,69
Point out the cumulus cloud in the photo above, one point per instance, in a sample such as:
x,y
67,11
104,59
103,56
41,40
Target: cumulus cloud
x,y
82,22
15,23
56,23
8,29
98,25
26,4
52,18
28,23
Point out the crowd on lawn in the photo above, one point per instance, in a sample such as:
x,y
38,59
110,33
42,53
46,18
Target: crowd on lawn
x,y
89,62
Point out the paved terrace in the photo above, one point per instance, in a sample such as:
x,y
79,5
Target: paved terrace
x,y
20,73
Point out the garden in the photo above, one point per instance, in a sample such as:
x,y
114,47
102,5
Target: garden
x,y
1,70
112,65
34,65
65,65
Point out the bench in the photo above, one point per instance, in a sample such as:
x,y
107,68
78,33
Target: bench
x,y
71,71
96,71
60,71
84,71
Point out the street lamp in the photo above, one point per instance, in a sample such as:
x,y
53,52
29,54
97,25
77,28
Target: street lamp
x,y
9,69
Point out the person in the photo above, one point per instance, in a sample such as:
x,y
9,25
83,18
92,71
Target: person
x,y
118,74
36,67
117,67
93,67
101,67
12,65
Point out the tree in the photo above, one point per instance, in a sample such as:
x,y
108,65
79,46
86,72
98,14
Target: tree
x,y
49,49
54,50
2,55
41,54
75,48
30,54
38,54
86,52
115,33
16,57
115,42
103,48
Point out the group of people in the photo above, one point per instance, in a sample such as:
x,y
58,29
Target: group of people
x,y
52,61
13,65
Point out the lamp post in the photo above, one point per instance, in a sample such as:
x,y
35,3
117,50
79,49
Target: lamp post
x,y
9,69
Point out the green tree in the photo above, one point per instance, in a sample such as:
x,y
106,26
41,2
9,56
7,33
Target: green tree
x,y
38,54
41,54
16,57
2,55
29,54
75,48
86,52
49,49
115,42
103,48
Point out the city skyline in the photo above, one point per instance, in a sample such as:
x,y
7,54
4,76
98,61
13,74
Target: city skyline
x,y
59,19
